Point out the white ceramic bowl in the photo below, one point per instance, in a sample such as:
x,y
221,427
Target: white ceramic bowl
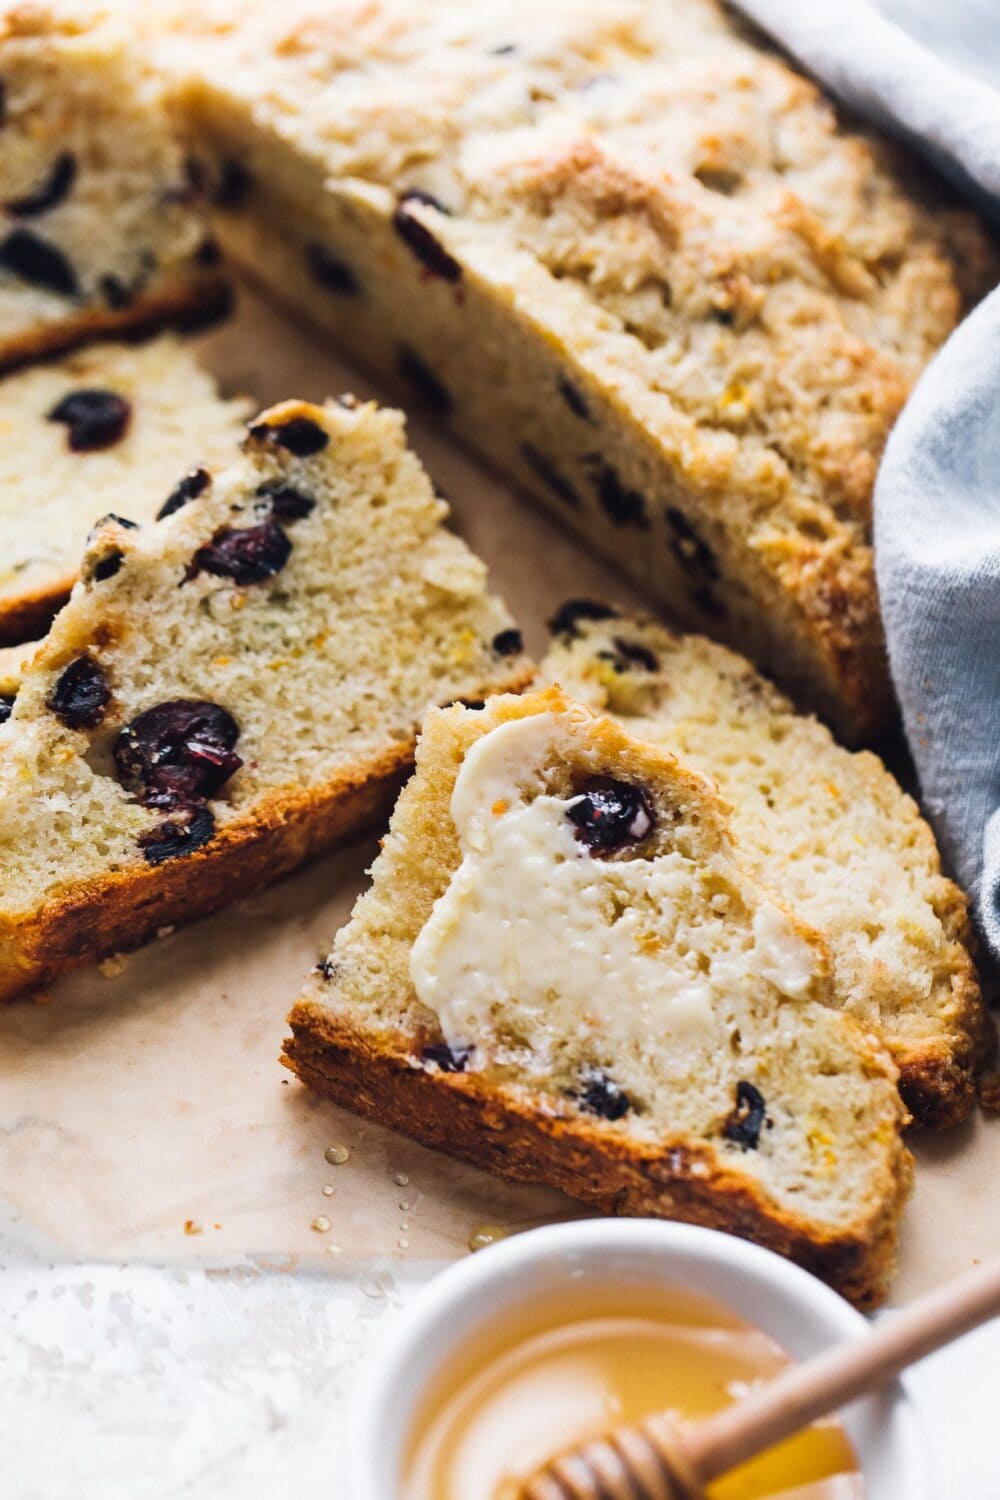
x,y
801,1313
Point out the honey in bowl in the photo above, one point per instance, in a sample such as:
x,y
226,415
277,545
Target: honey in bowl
x,y
560,1373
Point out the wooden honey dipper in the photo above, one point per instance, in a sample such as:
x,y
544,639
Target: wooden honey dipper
x,y
656,1460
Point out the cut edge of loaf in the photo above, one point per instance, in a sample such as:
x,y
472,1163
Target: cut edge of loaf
x,y
939,1073
109,909
493,1128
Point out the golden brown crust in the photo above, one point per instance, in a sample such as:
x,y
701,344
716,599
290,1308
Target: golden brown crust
x,y
938,1078
126,908
189,306
27,616
494,1127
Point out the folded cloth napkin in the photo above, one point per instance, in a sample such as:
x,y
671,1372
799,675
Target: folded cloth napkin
x,y
930,71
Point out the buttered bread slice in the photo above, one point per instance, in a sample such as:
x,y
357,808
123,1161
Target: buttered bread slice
x,y
562,972
100,225
235,687
830,831
110,428
628,254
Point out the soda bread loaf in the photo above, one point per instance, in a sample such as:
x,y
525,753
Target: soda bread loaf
x,y
562,971
235,687
100,227
110,428
830,831
631,256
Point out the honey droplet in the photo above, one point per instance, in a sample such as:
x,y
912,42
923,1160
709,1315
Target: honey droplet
x,y
321,1224
403,1243
401,1179
334,1249
337,1155
328,1190
486,1234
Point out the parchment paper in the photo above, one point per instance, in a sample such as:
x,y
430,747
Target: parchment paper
x,y
143,1114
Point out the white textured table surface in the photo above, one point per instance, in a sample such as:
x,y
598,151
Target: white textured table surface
x,y
132,1383
144,1122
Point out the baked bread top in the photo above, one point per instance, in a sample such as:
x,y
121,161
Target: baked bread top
x,y
560,926
110,428
677,211
269,645
829,831
100,227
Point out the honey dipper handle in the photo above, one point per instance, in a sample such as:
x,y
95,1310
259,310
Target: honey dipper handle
x,y
802,1393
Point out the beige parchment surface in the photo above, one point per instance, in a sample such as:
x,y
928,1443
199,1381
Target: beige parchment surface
x,y
143,1113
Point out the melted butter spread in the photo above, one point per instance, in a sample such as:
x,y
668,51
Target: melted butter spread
x,y
575,944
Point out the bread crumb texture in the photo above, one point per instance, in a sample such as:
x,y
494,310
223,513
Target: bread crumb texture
x,y
145,415
235,669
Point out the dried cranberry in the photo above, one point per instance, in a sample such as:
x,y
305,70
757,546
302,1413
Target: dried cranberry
x,y
448,1059
718,179
189,488
287,504
626,507
423,380
744,1123
550,475
333,274
508,643
52,191
428,250
36,261
107,566
95,419
629,654
247,554
6,705
182,833
178,752
568,615
300,435
234,185
209,252
116,294
609,814
693,554
573,398
81,694
707,602
600,1095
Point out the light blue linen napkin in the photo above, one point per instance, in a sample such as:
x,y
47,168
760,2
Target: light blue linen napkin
x,y
930,70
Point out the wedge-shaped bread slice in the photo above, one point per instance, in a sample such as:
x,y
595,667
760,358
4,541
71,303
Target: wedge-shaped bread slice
x,y
630,255
832,832
100,230
110,428
235,687
561,971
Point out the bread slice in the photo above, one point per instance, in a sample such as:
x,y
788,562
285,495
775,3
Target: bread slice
x,y
110,428
232,689
632,257
562,971
830,831
100,227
